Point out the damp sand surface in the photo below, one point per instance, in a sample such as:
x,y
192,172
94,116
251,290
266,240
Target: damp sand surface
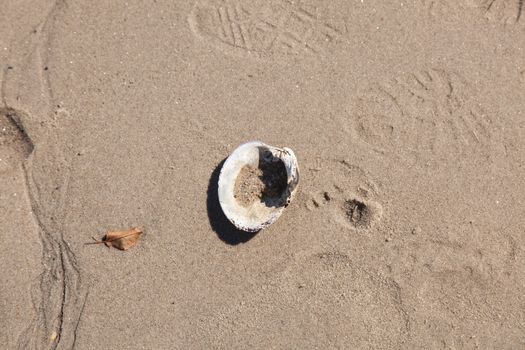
x,y
406,230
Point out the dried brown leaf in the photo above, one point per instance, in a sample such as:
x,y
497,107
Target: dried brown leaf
x,y
122,240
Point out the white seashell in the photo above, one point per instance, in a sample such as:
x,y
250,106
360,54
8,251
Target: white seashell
x,y
256,183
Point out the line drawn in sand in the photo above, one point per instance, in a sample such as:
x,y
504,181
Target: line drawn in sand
x,y
276,27
351,202
59,295
426,115
502,11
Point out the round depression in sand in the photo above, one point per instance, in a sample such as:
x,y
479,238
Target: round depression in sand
x,y
256,183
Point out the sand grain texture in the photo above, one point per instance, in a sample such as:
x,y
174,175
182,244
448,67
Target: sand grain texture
x,y
407,119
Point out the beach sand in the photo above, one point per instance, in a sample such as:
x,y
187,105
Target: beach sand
x,y
408,122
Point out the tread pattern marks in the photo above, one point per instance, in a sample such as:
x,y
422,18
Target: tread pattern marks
x,y
501,11
285,27
423,114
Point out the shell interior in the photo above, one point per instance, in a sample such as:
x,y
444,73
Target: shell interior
x,y
256,183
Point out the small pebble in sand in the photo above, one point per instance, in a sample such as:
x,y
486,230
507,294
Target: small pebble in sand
x,y
416,230
53,336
